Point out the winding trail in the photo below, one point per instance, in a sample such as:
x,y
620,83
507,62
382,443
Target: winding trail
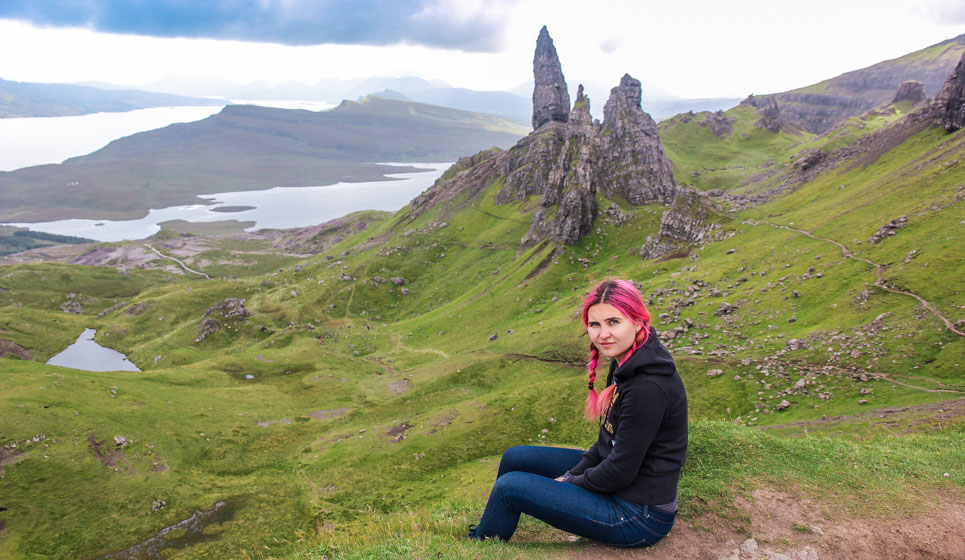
x,y
179,261
879,274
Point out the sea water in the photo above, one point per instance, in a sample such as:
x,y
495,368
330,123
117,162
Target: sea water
x,y
275,208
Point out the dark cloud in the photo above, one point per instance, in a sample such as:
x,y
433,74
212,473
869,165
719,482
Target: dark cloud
x,y
292,22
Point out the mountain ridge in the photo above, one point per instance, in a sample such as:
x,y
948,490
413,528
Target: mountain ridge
x,y
25,99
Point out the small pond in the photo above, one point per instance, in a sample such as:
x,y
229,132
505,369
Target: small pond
x,y
87,355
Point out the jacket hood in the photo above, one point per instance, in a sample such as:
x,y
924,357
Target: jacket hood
x,y
652,358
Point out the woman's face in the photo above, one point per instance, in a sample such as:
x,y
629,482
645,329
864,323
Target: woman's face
x,y
610,331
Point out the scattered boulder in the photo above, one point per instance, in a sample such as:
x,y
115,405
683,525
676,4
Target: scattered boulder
x,y
207,328
724,309
231,308
158,505
398,281
810,159
887,230
72,306
783,405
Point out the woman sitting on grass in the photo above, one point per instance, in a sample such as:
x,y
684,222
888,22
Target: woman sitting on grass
x,y
623,491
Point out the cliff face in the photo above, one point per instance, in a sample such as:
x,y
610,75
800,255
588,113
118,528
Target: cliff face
x,y
571,158
950,101
817,108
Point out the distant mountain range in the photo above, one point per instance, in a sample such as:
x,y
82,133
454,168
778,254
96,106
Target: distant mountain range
x,y
247,147
816,107
22,99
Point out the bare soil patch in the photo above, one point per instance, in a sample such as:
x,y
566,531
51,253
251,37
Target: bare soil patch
x,y
400,386
10,348
112,458
771,524
329,414
398,433
8,457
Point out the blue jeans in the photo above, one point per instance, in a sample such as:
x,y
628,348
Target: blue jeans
x,y
525,484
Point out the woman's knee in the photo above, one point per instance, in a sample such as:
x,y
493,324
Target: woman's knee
x,y
513,459
511,484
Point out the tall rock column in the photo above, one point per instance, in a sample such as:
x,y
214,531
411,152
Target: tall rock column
x,y
551,100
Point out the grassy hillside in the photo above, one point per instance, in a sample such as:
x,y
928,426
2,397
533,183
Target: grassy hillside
x,y
360,411
247,148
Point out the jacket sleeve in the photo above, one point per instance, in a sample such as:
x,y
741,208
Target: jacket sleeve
x,y
591,457
642,409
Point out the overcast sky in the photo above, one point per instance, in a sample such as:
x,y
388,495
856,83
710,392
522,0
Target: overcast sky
x,y
690,48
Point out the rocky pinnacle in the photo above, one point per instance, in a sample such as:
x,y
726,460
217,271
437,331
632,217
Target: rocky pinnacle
x,y
551,100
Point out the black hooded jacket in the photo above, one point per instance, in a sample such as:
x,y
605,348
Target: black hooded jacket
x,y
643,439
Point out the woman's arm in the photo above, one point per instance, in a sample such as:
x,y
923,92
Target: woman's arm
x,y
642,409
591,457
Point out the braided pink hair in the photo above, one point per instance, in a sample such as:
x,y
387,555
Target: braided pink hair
x,y
627,299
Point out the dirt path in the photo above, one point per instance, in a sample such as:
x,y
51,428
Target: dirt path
x,y
179,261
879,274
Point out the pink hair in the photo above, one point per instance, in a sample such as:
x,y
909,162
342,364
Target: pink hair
x,y
627,299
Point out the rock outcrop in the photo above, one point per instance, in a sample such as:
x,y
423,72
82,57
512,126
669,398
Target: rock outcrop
x,y
570,159
633,164
910,90
551,100
685,223
950,101
766,105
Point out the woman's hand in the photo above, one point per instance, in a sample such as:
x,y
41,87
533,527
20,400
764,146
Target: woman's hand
x,y
558,479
